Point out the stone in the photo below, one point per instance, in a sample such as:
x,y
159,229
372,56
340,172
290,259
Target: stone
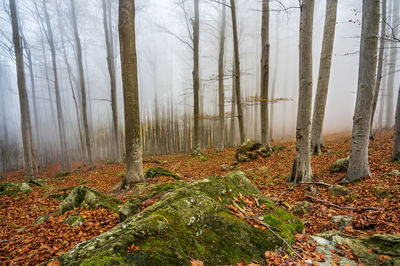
x,y
301,208
21,230
191,221
41,219
75,221
159,171
14,188
340,165
342,221
83,195
339,190
393,173
250,150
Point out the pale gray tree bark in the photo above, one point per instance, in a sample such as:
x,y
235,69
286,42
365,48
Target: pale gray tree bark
x,y
302,161
126,25
380,66
237,72
82,84
358,164
396,137
221,72
233,111
23,97
323,76
264,72
196,79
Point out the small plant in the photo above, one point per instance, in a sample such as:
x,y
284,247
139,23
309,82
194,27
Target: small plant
x,y
121,174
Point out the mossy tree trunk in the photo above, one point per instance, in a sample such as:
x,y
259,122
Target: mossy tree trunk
x,y
358,163
302,161
126,26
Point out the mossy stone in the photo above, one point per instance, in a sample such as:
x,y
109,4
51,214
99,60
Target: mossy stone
x,y
14,188
74,221
159,171
340,165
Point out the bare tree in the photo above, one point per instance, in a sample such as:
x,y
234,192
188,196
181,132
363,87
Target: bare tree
x,y
23,97
302,161
221,89
196,79
323,77
82,83
358,164
264,72
237,71
126,25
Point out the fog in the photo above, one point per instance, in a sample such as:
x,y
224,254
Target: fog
x,y
165,63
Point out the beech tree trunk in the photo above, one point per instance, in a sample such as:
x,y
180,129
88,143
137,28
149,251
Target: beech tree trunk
x,y
264,73
111,71
221,89
233,111
302,161
358,164
196,79
237,72
396,137
82,83
323,76
23,97
126,26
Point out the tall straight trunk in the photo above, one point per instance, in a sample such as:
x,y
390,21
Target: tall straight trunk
x,y
23,97
396,137
380,66
323,76
358,164
302,161
5,153
274,78
221,89
392,67
237,71
111,71
60,116
233,111
82,84
264,72
126,25
196,79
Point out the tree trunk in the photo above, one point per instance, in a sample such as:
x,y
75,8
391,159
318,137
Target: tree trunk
x,y
302,161
323,76
273,85
23,97
380,67
237,72
126,25
358,164
264,72
396,137
196,79
111,71
221,89
82,83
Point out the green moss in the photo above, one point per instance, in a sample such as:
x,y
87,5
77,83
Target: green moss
x,y
121,174
104,258
12,189
62,174
159,171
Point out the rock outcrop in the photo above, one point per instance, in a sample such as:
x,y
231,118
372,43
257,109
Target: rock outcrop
x,y
250,150
340,165
14,188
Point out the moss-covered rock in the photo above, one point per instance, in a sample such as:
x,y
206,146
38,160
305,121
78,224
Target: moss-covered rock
x,y
191,221
82,195
340,165
250,150
14,188
159,171
301,208
41,219
339,190
74,221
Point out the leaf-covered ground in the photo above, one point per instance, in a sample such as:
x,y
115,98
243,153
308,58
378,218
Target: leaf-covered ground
x,y
22,243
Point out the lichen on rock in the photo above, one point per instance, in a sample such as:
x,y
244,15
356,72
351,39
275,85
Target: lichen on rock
x,y
340,165
14,188
191,220
159,171
250,150
82,195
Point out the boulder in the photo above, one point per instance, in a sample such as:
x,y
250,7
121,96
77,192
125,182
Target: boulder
x,y
74,221
82,195
342,221
159,171
339,190
14,188
41,219
191,221
250,150
301,208
340,165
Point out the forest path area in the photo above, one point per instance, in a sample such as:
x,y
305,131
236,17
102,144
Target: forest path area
x,y
23,243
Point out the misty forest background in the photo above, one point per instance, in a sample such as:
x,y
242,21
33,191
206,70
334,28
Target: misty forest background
x,y
56,81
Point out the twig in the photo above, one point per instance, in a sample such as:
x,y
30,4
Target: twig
x,y
344,207
11,240
316,183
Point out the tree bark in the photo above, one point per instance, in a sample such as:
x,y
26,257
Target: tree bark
x,y
82,83
111,71
264,73
237,72
23,97
358,163
126,25
196,79
233,111
323,76
221,89
302,161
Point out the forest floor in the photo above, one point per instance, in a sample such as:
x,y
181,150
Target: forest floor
x,y
22,243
